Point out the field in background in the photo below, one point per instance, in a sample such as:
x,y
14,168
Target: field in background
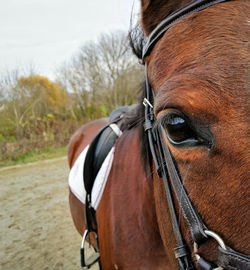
x,y
35,155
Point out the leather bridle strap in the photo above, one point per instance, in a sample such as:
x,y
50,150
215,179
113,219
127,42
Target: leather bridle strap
x,y
181,251
196,225
162,164
231,259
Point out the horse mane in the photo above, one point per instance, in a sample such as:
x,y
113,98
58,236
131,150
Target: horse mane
x,y
136,40
134,119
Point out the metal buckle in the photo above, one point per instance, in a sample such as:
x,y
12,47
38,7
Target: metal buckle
x,y
146,102
218,239
86,263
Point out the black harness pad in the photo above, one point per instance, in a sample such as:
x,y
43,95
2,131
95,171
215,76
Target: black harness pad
x,y
99,149
97,152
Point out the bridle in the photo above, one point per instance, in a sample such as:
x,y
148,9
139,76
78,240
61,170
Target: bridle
x,y
166,169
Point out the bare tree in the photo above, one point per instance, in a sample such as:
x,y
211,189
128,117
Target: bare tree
x,y
118,61
104,73
13,112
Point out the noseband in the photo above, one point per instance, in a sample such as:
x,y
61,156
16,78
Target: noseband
x,y
166,169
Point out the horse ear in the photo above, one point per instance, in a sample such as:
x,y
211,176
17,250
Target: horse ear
x,y
153,12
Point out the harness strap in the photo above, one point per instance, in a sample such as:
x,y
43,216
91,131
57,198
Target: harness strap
x,y
194,221
181,251
204,265
230,259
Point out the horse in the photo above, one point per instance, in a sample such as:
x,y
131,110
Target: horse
x,y
196,112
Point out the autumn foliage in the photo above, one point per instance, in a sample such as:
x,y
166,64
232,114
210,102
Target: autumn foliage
x,y
41,90
36,112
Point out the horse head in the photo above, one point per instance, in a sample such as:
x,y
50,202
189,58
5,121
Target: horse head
x,y
199,73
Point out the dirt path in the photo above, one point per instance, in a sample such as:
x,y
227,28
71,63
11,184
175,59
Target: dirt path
x,y
36,227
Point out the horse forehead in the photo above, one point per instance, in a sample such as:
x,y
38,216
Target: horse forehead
x,y
206,45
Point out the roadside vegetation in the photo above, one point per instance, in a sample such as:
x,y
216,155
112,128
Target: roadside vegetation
x,y
38,116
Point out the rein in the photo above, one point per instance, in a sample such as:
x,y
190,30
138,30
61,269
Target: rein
x,y
227,258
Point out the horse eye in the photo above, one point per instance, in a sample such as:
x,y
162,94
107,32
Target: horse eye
x,y
179,131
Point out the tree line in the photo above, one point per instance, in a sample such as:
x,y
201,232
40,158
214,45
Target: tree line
x,y
36,111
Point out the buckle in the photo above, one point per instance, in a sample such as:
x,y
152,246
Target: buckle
x,y
146,102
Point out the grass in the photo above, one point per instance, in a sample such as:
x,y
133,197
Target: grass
x,y
35,155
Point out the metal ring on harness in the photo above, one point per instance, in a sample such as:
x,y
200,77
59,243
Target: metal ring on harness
x,y
218,239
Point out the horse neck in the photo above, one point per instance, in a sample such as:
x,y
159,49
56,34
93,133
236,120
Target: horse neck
x,y
126,214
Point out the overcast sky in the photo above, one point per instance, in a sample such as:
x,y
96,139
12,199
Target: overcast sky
x,y
46,33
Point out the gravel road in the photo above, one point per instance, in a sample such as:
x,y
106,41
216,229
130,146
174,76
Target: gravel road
x,y
37,231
